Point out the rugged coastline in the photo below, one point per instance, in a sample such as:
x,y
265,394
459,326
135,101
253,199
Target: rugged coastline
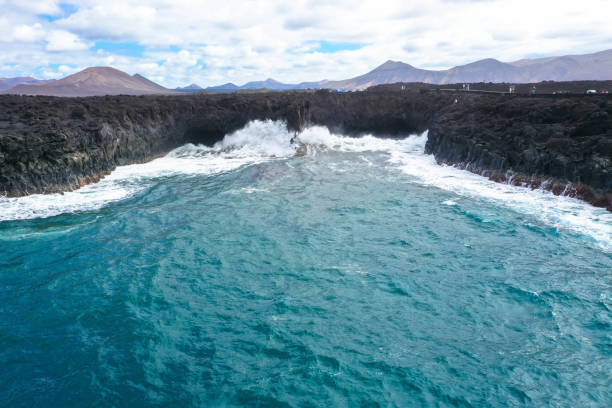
x,y
564,144
559,144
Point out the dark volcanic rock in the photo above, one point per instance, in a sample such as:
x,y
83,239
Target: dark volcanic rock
x,y
50,144
562,143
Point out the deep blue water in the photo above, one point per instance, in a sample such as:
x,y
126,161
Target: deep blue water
x,y
332,279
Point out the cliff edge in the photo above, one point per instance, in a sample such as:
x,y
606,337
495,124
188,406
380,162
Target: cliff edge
x,y
560,143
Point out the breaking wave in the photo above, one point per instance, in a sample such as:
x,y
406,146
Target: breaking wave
x,y
263,141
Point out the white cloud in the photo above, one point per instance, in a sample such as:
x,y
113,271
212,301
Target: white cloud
x,y
60,72
49,7
28,33
241,40
118,20
60,40
182,58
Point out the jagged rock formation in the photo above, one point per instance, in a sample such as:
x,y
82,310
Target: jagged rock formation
x,y
52,144
562,143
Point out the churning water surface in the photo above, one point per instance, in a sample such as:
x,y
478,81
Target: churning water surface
x,y
333,271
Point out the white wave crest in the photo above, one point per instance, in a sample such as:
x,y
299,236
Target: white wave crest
x,y
268,140
256,142
408,155
318,136
557,211
263,139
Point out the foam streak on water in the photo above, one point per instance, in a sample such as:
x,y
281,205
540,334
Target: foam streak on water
x,y
267,140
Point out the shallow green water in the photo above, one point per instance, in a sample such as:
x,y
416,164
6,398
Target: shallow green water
x,y
341,278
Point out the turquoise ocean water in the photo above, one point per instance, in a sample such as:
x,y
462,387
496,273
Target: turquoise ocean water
x,y
356,272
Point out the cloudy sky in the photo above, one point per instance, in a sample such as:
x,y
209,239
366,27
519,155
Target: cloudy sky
x,y
176,42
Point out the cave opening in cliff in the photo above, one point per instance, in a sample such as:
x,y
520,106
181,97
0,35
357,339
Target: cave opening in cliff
x,y
203,136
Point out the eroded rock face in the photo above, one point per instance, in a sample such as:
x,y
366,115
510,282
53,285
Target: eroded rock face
x,y
561,144
52,144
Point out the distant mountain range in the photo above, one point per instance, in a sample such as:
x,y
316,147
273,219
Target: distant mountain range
x,y
597,66
267,84
109,81
6,83
94,81
190,88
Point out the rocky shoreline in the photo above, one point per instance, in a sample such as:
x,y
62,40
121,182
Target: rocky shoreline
x,y
563,144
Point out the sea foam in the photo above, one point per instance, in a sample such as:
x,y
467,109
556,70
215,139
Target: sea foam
x,y
261,141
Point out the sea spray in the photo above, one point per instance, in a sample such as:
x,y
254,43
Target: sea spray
x,y
262,141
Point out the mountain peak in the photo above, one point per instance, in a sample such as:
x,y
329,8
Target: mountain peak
x,y
190,88
102,70
486,62
390,64
7,83
94,81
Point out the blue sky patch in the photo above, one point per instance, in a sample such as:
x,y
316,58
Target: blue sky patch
x,y
131,49
66,10
331,47
326,47
37,72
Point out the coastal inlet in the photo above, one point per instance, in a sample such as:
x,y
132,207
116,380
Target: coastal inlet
x,y
556,142
358,272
